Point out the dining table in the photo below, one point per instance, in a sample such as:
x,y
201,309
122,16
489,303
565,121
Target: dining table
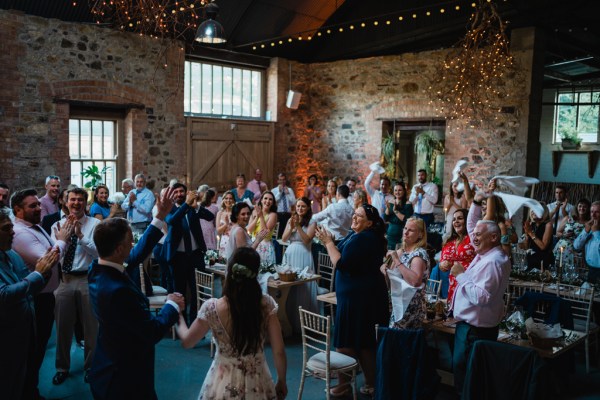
x,y
277,289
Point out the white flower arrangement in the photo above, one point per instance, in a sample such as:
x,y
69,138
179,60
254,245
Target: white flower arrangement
x,y
211,257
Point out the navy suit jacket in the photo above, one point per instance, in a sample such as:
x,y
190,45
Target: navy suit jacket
x,y
49,220
17,287
175,222
123,364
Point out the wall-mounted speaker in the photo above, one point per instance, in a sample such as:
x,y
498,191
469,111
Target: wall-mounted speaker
x,y
293,100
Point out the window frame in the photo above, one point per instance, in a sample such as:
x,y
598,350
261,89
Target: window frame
x,y
118,144
224,103
577,103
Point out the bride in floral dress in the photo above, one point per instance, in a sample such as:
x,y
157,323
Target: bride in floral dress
x,y
240,321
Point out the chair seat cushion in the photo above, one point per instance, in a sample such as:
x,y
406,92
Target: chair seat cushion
x,y
157,301
322,290
336,361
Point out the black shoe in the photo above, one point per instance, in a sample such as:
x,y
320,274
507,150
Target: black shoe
x,y
86,377
60,377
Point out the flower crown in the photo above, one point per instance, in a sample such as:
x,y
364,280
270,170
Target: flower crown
x,y
239,272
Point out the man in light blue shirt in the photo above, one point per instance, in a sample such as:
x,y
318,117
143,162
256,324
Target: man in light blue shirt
x,y
138,205
589,239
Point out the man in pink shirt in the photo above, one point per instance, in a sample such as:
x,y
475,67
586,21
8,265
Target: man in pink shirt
x,y
257,185
49,203
478,302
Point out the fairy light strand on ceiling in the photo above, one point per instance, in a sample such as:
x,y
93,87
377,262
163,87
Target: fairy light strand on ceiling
x,y
153,18
445,9
470,86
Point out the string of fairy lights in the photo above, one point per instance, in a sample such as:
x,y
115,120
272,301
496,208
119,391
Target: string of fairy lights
x,y
154,18
447,9
470,88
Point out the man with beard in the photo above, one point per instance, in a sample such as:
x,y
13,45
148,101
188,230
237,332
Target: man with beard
x,y
31,242
423,197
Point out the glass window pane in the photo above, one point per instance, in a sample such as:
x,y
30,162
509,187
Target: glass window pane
x,y
74,138
227,91
76,173
256,100
237,92
565,97
217,94
86,139
97,140
196,88
109,139
246,93
206,88
186,87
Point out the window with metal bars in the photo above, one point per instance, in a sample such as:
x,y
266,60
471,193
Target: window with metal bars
x,y
93,142
215,90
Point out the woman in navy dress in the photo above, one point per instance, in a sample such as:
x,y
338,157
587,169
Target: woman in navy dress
x,y
362,297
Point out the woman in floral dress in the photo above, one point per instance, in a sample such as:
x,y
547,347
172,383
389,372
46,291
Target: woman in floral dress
x,y
569,228
223,221
412,262
264,217
240,321
457,249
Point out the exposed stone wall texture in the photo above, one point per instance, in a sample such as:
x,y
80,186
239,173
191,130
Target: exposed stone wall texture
x,y
47,64
337,129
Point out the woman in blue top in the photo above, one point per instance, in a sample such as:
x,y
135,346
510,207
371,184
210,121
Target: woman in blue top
x,y
362,296
240,193
101,209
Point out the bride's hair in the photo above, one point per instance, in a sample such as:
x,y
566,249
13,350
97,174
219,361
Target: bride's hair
x,y
245,301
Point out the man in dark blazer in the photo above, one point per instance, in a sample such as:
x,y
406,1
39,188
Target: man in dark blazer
x,y
18,285
123,365
184,245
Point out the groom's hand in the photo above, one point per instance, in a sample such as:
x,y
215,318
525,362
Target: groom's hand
x,y
177,298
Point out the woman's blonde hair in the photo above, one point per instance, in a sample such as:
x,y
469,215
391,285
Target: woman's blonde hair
x,y
421,228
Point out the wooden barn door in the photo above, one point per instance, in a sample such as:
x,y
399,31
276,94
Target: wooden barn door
x,y
220,149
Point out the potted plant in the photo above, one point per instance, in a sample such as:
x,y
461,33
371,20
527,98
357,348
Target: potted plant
x,y
95,176
570,138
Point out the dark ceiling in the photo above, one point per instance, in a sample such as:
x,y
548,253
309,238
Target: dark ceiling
x,y
570,30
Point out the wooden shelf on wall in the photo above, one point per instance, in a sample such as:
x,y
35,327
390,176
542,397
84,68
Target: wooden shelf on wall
x,y
592,156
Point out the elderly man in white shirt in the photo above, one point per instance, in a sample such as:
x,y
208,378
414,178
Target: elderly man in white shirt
x,y
424,196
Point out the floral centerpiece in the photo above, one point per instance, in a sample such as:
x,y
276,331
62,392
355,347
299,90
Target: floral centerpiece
x,y
211,257
266,268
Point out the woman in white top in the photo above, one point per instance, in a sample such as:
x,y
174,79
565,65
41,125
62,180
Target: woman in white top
x,y
238,237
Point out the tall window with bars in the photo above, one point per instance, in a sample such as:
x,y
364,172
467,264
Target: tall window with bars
x,y
222,91
93,142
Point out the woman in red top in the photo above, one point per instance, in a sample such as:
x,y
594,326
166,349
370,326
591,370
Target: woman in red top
x,y
457,248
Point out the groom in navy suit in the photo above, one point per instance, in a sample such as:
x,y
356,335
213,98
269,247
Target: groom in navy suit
x,y
123,364
184,245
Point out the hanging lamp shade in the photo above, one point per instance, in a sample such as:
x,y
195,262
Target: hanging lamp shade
x,y
211,31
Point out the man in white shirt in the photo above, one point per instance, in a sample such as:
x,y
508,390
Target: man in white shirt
x,y
72,295
285,198
337,217
138,205
560,208
379,198
31,242
257,185
351,183
423,197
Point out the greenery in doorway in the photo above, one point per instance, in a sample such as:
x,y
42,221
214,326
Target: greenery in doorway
x,y
388,150
429,145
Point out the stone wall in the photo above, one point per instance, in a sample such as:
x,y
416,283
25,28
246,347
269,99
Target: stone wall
x,y
49,65
337,129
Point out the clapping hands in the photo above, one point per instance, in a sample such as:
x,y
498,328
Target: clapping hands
x,y
324,236
46,262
